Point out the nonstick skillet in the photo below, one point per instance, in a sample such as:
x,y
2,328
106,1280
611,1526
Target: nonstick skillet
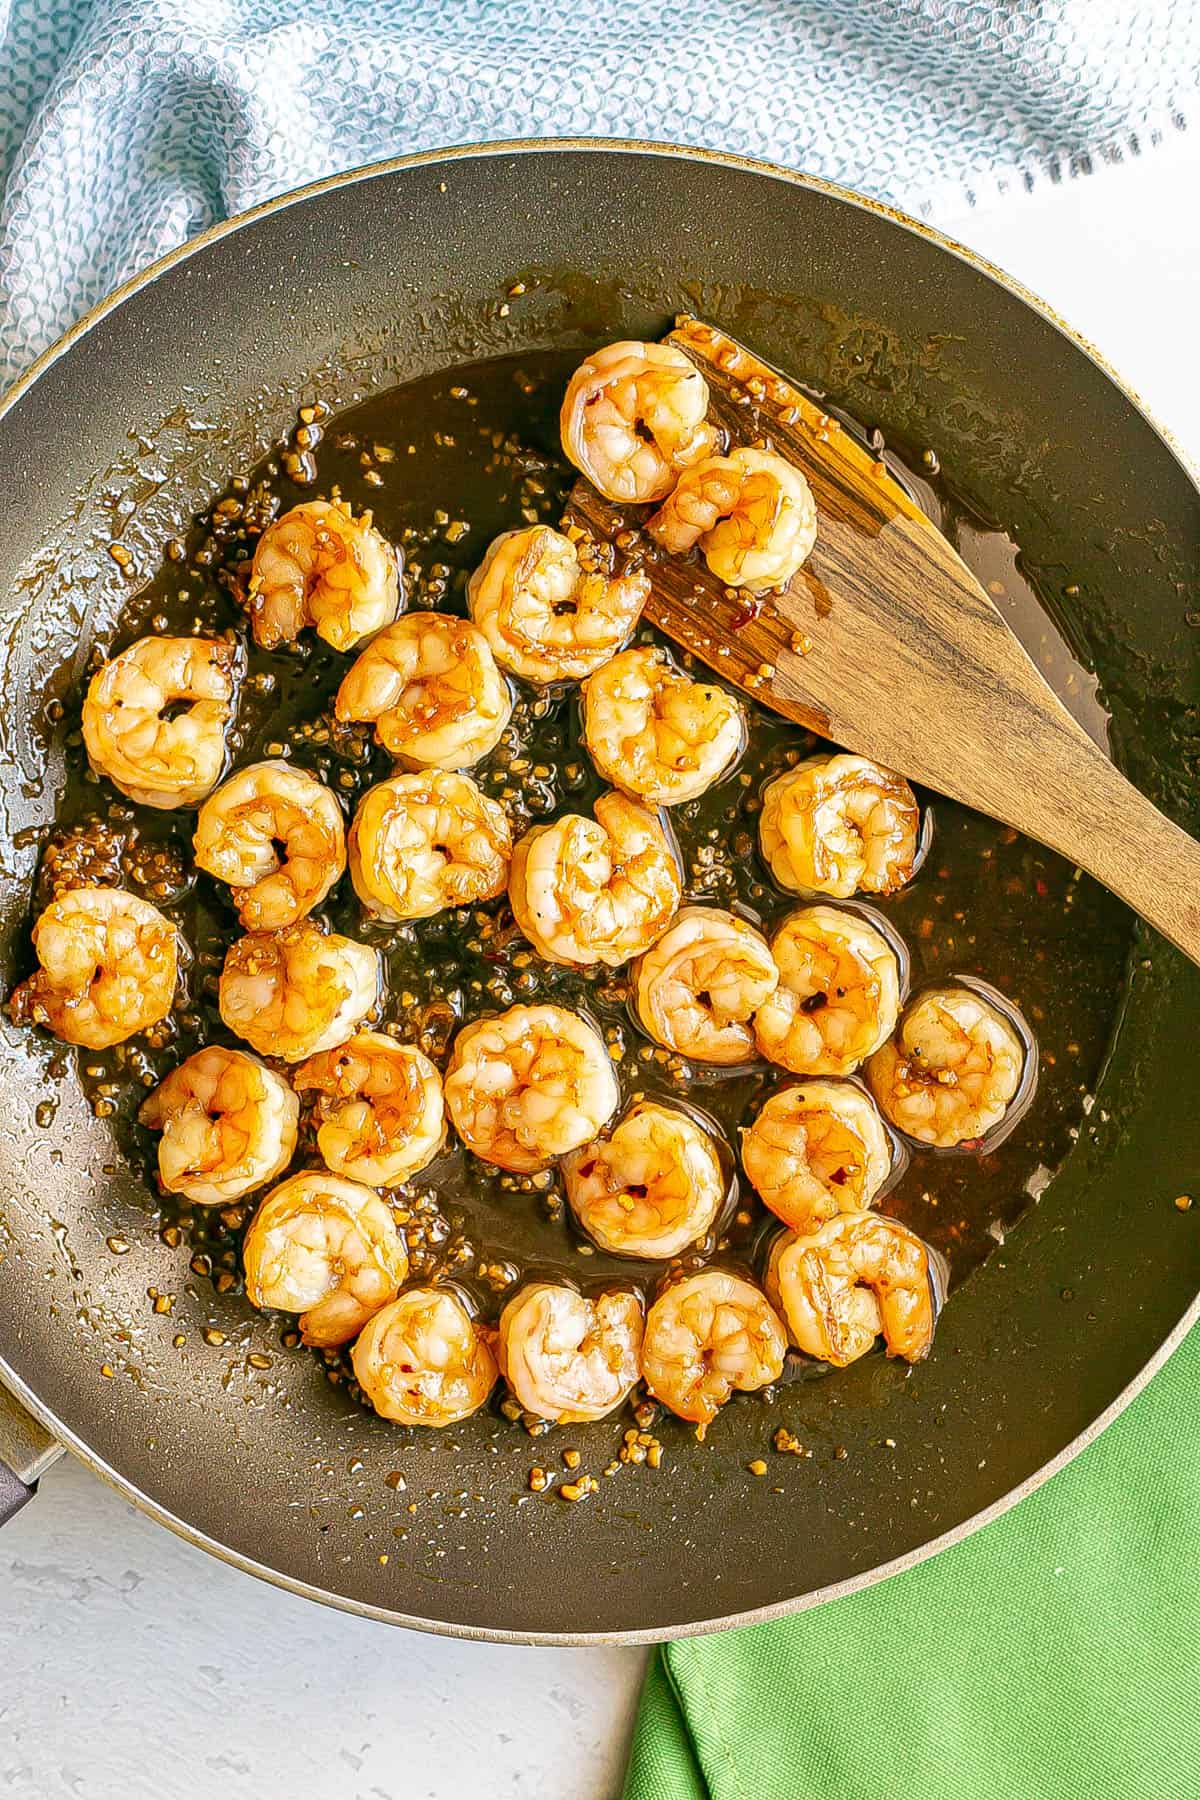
x,y
132,422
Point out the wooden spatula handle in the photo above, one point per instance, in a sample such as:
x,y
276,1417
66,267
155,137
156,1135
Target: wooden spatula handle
x,y
988,732
1101,821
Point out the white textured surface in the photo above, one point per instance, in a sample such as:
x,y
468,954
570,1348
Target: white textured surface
x,y
132,1665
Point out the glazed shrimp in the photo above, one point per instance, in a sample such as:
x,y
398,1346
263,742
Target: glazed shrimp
x,y
752,514
567,1358
291,993
529,1085
656,733
318,565
587,891
838,996
649,1187
549,612
817,1150
698,987
421,843
276,836
327,1249
109,965
634,415
154,759
858,1275
423,1360
839,825
229,1125
378,1110
706,1336
430,686
951,1071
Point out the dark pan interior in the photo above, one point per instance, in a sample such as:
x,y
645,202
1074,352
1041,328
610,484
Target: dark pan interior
x,y
370,282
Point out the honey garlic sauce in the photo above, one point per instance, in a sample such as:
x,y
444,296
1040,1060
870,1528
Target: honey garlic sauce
x,y
444,464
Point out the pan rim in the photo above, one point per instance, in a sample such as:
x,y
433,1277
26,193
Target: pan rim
x,y
648,147
761,1615
965,1528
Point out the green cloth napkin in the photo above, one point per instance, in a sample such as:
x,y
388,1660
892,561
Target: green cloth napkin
x,y
1054,1653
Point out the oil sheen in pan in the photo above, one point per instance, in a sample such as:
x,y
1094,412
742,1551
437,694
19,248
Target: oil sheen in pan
x,y
445,464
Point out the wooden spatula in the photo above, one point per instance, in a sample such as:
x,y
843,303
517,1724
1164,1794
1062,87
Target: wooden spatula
x,y
885,643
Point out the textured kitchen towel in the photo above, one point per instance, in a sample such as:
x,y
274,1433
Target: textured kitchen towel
x,y
127,126
1052,1656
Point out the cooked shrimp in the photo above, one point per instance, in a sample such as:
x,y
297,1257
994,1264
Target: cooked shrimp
x,y
156,759
276,836
650,1186
951,1071
817,1150
546,612
378,1111
634,416
318,565
600,890
423,1360
567,1358
838,996
706,1336
327,1249
752,514
839,825
857,1275
109,963
420,843
698,987
291,993
656,733
228,1123
430,686
529,1085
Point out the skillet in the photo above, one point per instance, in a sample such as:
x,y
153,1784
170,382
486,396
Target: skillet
x,y
131,423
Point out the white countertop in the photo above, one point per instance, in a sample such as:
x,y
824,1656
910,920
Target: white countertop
x,y
134,1665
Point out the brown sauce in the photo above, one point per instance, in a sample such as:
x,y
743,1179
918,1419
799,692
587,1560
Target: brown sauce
x,y
446,463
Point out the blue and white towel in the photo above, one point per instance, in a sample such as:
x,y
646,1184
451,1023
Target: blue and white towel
x,y
127,126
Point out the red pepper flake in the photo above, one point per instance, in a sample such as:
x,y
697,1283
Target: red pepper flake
x,y
1041,888
746,615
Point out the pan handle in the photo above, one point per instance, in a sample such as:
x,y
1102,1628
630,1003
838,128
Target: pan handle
x,y
26,1452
